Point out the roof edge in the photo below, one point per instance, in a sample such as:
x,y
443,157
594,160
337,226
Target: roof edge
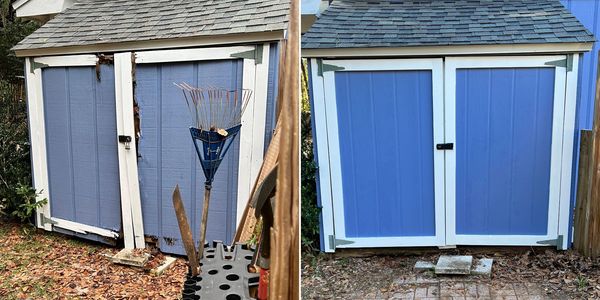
x,y
449,50
197,41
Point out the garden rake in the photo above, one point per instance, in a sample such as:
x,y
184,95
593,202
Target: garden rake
x,y
216,121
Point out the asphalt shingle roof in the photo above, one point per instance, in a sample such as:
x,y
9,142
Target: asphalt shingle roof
x,y
385,23
112,21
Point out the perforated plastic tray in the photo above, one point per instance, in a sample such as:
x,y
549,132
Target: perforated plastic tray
x,y
224,274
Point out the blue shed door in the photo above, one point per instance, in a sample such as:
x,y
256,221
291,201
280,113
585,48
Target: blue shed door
x,y
167,155
505,118
387,116
81,145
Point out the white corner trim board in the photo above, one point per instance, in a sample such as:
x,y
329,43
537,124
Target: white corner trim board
x,y
259,117
245,161
567,155
131,207
323,153
37,137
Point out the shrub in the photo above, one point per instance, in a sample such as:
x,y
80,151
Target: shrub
x,y
310,211
17,198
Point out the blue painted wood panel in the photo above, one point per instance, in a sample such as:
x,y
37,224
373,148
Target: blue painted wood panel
x,y
168,156
386,150
503,146
81,142
272,86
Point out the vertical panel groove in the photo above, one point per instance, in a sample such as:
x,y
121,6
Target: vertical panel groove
x,y
96,148
70,143
159,193
511,147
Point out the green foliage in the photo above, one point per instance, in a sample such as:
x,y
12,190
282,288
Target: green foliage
x,y
17,197
582,283
10,34
310,211
29,202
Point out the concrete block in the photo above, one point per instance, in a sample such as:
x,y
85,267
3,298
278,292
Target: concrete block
x,y
160,269
424,266
483,267
128,257
457,264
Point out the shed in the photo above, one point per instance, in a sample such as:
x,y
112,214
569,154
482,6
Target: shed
x,y
102,71
445,123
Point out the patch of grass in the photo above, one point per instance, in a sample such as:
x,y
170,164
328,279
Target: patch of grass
x,y
582,283
343,261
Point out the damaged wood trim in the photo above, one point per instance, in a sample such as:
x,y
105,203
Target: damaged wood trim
x,y
82,228
102,59
131,209
37,134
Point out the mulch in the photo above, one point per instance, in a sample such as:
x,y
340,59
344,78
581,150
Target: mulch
x,y
556,272
42,265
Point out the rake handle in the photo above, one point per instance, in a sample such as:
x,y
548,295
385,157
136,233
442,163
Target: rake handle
x,y
204,220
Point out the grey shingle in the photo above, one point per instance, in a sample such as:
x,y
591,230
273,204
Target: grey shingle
x,y
373,23
114,21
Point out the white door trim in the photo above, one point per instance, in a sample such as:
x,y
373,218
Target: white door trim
x,y
555,201
253,121
131,205
567,155
37,138
323,156
436,66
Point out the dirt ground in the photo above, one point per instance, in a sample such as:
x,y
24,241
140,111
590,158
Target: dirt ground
x,y
40,265
518,273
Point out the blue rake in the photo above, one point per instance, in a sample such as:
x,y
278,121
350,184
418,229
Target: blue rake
x,y
212,150
216,115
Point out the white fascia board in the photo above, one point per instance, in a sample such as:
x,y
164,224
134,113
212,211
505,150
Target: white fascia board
x,y
68,60
180,55
188,42
449,50
18,4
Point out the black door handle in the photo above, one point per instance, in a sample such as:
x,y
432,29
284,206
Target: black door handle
x,y
446,146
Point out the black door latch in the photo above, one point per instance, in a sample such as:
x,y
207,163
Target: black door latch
x,y
446,146
124,139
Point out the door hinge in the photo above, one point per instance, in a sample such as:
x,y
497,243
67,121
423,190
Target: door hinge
x,y
322,68
44,220
564,63
255,54
36,65
558,242
333,242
